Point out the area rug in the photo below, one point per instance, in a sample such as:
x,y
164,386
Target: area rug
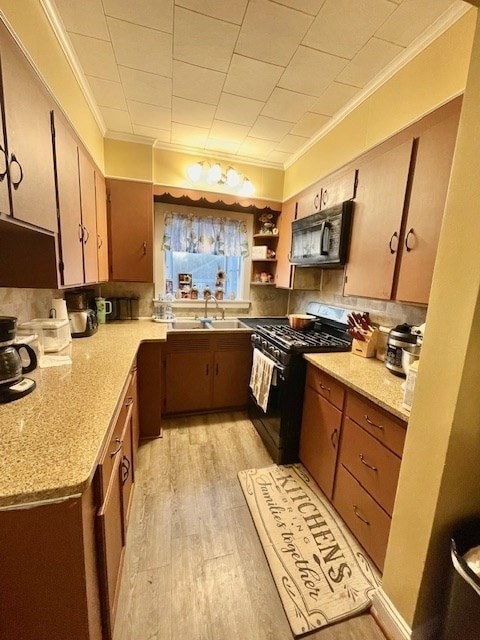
x,y
321,573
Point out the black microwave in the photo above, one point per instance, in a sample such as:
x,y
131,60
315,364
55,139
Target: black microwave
x,y
322,239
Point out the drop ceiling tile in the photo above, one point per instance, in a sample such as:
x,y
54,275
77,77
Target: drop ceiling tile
x,y
96,57
411,19
141,48
279,156
189,136
255,147
238,109
197,114
307,6
226,146
287,105
342,27
251,78
228,131
311,71
271,32
117,120
107,93
149,115
334,98
369,61
291,143
85,17
309,124
156,15
203,41
232,11
270,129
195,83
146,87
150,132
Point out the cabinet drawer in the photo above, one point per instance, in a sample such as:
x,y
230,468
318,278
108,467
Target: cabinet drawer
x,y
372,464
326,386
319,439
114,446
367,521
382,425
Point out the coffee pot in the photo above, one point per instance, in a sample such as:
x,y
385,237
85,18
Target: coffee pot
x,y
12,383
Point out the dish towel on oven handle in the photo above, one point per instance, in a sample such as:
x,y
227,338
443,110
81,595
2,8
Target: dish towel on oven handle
x,y
261,378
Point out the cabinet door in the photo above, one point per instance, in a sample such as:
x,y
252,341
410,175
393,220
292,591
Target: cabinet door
x,y
283,276
425,212
4,199
339,187
232,368
127,468
29,140
111,538
130,226
102,226
319,439
71,246
188,381
309,202
377,217
89,217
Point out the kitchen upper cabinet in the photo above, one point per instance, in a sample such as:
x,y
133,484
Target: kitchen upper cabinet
x,y
377,221
89,217
26,111
338,187
309,202
102,226
130,227
431,174
283,275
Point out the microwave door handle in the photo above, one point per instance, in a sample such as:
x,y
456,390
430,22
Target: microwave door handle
x,y
325,239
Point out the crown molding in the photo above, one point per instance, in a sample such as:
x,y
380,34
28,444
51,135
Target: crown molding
x,y
72,59
452,15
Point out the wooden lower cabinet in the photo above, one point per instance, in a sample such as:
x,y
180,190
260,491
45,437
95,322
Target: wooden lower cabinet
x,y
61,563
206,371
352,448
319,439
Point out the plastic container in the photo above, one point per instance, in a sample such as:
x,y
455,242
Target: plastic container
x,y
382,339
54,335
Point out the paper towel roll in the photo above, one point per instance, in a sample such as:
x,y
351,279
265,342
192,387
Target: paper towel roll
x,y
58,309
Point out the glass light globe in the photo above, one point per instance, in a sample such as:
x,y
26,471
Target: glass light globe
x,y
247,187
233,179
194,172
214,174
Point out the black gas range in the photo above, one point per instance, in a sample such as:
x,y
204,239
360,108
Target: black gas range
x,y
279,426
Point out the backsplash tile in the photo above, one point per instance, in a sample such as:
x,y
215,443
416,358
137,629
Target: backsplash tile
x,y
26,304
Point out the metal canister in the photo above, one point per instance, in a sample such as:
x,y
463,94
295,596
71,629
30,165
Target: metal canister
x,y
399,337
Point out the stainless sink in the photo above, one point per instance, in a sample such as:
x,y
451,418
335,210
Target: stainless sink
x,y
230,323
187,325
211,325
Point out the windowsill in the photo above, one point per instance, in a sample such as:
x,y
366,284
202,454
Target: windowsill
x,y
198,304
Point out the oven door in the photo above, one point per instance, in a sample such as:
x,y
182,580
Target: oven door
x,y
269,423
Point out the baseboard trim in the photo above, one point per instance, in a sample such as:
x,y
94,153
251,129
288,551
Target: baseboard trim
x,y
388,618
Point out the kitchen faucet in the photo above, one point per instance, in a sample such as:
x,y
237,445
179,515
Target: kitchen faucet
x,y
207,300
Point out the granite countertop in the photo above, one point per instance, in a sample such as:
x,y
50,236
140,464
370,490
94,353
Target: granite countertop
x,y
368,376
50,440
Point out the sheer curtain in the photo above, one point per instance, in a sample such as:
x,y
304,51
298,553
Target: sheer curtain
x,y
189,233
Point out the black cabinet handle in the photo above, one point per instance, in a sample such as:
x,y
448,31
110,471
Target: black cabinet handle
x,y
410,232
394,235
13,160
316,202
120,443
99,241
80,232
325,196
126,465
87,235
334,438
4,173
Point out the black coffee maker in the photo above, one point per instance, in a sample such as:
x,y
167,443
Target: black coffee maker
x,y
12,383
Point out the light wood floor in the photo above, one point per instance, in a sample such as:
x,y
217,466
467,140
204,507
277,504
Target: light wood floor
x,y
194,567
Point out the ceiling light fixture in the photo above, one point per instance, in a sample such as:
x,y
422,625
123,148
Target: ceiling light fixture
x,y
213,174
